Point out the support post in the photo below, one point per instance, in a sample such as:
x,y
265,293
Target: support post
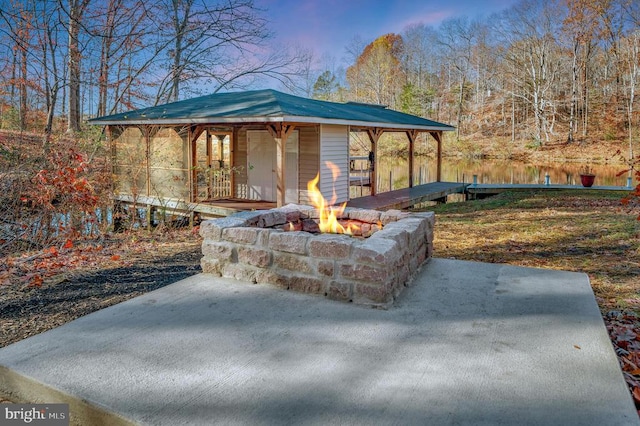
x,y
232,176
193,135
147,160
438,137
411,135
280,133
374,135
150,212
118,215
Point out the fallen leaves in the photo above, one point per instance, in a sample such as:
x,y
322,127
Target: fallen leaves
x,y
32,269
46,266
91,275
624,328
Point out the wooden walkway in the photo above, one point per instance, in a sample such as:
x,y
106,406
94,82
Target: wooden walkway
x,y
407,197
489,189
398,199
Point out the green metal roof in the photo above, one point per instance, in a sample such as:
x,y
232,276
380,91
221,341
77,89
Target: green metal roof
x,y
270,106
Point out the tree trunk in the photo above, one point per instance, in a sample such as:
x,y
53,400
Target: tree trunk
x,y
76,10
23,88
574,93
459,112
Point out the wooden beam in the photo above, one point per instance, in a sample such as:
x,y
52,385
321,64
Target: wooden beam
x,y
412,135
209,173
196,131
374,135
193,135
437,135
220,138
280,133
113,151
233,141
147,159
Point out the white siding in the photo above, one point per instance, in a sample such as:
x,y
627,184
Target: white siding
x,y
292,194
334,147
309,159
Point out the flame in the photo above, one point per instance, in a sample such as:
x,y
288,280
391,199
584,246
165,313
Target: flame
x,y
328,213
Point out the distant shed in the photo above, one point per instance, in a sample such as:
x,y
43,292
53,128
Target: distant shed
x,y
256,147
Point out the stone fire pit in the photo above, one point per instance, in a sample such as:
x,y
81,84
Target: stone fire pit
x,y
281,247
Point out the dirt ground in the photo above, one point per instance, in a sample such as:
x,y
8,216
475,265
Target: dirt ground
x,y
102,280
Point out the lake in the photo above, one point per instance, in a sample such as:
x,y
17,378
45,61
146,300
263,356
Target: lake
x,y
395,170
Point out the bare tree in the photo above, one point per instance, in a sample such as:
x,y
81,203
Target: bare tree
x,y
53,78
19,29
75,13
353,50
579,27
127,51
219,45
251,68
527,32
631,50
419,61
458,38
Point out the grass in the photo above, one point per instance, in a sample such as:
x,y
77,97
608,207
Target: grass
x,y
589,232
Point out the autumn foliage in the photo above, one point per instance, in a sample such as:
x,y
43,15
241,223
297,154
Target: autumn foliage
x,y
624,331
50,196
632,200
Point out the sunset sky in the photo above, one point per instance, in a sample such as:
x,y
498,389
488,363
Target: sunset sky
x,y
330,25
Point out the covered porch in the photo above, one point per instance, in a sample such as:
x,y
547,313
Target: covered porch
x,y
219,154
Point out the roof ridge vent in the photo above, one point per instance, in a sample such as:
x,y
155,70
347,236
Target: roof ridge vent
x,y
367,104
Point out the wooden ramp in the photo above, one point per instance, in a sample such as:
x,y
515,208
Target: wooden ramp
x,y
407,197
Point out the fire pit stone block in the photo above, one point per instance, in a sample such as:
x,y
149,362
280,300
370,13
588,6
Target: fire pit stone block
x,y
255,247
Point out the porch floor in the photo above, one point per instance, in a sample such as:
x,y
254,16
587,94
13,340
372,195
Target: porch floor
x,y
240,204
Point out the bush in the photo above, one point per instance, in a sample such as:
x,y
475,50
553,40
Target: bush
x,y
47,196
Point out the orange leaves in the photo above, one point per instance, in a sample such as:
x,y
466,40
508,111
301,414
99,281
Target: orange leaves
x,y
624,328
63,188
35,269
631,201
36,281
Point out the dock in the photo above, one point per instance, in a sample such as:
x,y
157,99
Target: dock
x,y
408,197
489,189
398,199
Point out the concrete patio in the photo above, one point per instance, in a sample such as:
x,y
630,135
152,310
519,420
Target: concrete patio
x,y
467,344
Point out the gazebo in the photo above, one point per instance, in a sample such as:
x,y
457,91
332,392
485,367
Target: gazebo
x,y
250,147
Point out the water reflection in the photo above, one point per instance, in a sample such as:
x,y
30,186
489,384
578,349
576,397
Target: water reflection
x,y
394,173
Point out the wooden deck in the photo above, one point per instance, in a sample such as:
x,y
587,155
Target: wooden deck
x,y
407,197
489,189
398,199
206,209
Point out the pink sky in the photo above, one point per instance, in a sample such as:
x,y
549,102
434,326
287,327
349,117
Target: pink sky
x,y
327,26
